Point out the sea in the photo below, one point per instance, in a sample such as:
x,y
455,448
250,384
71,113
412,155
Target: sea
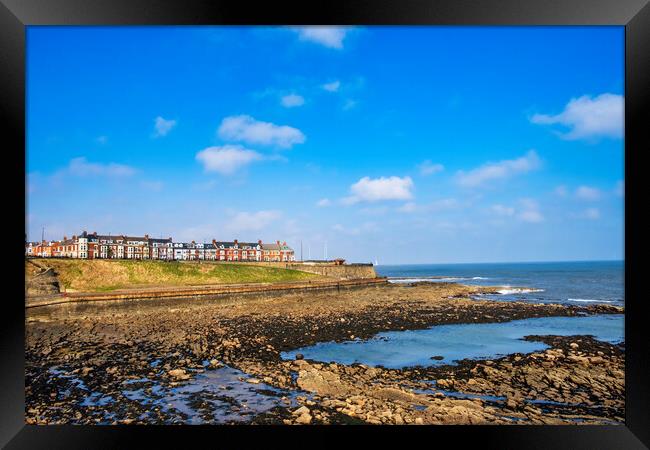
x,y
573,283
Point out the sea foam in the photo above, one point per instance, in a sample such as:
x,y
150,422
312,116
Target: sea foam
x,y
590,300
518,291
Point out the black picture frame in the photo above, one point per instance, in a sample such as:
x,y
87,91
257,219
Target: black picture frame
x,y
634,15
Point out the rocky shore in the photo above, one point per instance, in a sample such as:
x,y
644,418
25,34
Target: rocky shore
x,y
218,361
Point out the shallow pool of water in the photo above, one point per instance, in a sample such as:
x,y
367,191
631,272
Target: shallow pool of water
x,y
223,395
397,349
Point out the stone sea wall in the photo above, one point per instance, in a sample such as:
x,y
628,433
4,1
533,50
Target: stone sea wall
x,y
258,289
343,272
328,269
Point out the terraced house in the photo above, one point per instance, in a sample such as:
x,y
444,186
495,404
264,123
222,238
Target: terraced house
x,y
94,246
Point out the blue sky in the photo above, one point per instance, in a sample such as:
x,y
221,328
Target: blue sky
x,y
404,144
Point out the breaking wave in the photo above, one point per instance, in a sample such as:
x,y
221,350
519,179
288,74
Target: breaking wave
x,y
437,279
510,291
590,300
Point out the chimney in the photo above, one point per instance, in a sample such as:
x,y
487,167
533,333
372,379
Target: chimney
x,y
65,238
146,236
284,243
259,242
74,238
170,238
94,233
235,241
277,242
214,242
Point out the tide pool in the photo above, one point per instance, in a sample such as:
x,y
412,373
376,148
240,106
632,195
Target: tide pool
x,y
397,349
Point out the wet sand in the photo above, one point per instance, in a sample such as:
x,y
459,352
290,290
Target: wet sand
x,y
84,362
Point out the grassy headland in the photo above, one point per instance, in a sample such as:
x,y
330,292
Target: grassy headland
x,y
106,275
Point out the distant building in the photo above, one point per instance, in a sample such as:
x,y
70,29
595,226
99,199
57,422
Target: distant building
x,y
95,246
277,252
30,248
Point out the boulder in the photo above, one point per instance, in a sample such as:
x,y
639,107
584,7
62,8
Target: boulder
x,y
304,419
178,374
301,411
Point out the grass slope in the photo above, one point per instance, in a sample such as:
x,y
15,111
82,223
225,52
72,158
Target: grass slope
x,y
102,275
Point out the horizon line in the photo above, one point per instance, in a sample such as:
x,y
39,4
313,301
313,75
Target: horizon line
x,y
505,262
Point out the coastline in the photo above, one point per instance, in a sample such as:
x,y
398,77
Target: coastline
x,y
104,347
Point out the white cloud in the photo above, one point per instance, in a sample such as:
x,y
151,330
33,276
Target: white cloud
x,y
328,36
81,167
445,203
247,129
292,100
332,87
252,221
205,186
620,188
589,117
227,159
374,210
499,170
323,202
383,188
561,191
587,193
350,104
591,213
155,186
531,216
502,210
529,211
366,227
409,207
162,127
428,168
588,214
435,206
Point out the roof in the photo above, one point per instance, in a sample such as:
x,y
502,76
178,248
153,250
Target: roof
x,y
276,247
229,244
121,237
